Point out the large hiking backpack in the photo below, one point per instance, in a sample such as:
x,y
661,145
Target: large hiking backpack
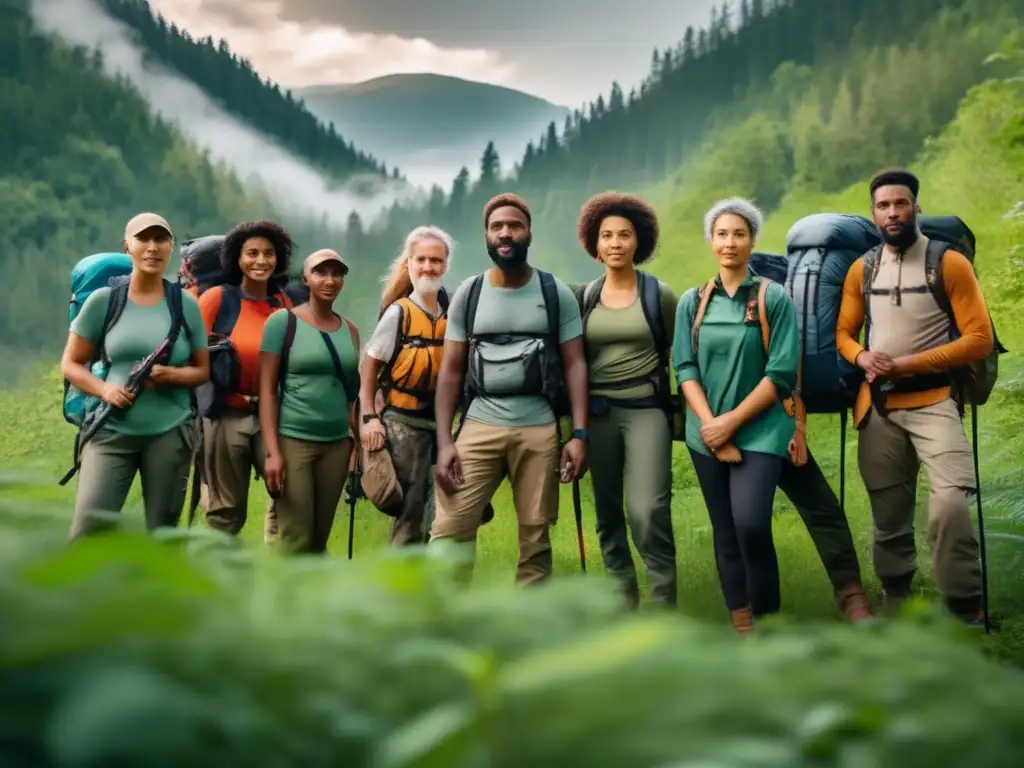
x,y
99,270
972,384
820,249
200,262
773,266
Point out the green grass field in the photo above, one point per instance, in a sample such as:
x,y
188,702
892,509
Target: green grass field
x,y
36,442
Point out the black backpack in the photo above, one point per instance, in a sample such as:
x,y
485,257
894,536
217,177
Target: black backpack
x,y
649,291
200,262
771,265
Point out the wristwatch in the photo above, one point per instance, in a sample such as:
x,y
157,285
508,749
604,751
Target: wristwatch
x,y
581,434
368,417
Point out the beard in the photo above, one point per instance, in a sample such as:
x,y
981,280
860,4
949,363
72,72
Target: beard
x,y
515,259
903,239
426,285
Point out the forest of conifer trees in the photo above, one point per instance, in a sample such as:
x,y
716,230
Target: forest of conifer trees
x,y
772,96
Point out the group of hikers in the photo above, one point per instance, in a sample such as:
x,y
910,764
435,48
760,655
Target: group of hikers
x,y
543,383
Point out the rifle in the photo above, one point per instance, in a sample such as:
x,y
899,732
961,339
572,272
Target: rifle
x,y
94,420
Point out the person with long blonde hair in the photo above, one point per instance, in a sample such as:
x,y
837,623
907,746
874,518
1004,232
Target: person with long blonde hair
x,y
398,376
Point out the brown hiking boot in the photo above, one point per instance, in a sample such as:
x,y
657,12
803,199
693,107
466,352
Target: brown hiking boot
x,y
853,603
743,621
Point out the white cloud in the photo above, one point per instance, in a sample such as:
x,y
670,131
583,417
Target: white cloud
x,y
299,53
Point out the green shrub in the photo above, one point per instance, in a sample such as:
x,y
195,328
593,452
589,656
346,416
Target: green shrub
x,y
185,650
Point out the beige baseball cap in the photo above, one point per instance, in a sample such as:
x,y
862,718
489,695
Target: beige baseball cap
x,y
143,221
322,256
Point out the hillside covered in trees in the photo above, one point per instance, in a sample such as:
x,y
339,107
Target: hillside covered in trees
x,y
827,92
80,153
233,83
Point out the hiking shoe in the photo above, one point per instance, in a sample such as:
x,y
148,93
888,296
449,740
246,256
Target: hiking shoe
x,y
743,621
853,603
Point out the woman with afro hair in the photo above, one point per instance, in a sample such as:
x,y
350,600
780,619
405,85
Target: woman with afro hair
x,y
255,260
734,378
628,352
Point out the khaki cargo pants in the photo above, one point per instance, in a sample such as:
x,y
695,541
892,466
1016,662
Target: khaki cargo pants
x,y
890,451
232,449
314,479
528,457
109,463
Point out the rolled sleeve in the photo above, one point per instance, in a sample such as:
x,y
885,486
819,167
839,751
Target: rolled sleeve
x,y
683,359
783,340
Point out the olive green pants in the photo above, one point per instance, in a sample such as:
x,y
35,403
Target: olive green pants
x,y
109,463
314,479
631,461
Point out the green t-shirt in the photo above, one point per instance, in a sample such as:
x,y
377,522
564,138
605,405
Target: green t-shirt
x,y
138,332
730,362
620,346
315,404
511,311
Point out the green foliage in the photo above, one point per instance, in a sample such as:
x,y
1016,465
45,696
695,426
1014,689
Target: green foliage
x,y
234,84
829,91
136,651
83,154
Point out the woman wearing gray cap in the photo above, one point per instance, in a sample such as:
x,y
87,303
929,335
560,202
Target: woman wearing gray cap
x,y
309,387
146,423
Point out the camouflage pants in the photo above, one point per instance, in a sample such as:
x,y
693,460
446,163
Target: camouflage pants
x,y
412,451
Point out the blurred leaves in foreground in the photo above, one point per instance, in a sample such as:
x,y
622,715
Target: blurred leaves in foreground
x,y
183,649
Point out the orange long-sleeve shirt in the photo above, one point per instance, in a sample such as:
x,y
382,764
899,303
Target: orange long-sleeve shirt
x,y
908,329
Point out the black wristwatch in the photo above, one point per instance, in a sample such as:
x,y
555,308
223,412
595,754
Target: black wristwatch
x,y
581,434
368,417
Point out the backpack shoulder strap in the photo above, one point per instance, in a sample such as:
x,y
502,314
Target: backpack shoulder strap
x,y
551,303
229,310
933,254
443,300
286,347
650,301
872,259
702,307
591,297
175,304
116,303
762,313
472,300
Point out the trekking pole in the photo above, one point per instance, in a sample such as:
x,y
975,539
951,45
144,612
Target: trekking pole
x,y
353,489
981,520
578,508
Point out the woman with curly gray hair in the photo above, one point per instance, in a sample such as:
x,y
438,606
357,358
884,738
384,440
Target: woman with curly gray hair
x,y
628,351
735,353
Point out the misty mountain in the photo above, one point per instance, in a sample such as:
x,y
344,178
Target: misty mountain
x,y
431,125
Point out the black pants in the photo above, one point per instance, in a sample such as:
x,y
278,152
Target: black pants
x,y
739,499
809,491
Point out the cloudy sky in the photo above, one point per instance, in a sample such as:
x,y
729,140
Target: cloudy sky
x,y
552,48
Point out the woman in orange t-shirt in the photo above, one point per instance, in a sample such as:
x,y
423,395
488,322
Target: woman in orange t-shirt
x,y
255,259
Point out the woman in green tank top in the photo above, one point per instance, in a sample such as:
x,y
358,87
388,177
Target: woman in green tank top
x,y
307,409
628,349
150,432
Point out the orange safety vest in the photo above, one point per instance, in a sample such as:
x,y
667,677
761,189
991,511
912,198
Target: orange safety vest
x,y
409,379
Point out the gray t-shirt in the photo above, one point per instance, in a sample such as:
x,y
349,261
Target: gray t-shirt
x,y
512,310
